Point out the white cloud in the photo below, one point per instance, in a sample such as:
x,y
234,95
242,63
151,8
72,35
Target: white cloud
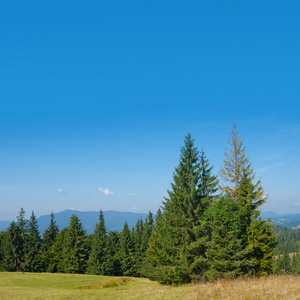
x,y
87,192
132,194
61,191
297,203
105,191
135,208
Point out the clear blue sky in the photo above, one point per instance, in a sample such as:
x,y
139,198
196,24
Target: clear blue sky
x,y
97,96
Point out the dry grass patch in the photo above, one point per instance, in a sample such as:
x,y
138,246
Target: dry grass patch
x,y
272,287
106,284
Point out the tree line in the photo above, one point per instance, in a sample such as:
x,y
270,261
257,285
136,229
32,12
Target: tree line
x,y
204,230
70,250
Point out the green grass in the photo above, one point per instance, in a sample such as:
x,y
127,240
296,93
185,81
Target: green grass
x,y
24,286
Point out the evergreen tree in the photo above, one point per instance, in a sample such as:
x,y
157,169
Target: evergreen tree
x,y
147,231
286,263
113,265
56,261
137,233
177,243
225,252
49,238
74,250
235,163
257,234
98,255
126,254
50,234
13,249
32,247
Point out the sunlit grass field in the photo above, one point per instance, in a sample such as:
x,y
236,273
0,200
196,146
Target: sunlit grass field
x,y
74,286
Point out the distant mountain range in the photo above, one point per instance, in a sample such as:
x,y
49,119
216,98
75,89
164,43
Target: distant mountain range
x,y
286,220
114,220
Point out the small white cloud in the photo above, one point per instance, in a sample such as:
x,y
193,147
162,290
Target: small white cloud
x,y
132,194
61,191
105,191
297,203
135,208
87,192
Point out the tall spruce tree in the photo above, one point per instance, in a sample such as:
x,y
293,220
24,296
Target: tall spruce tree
x,y
126,252
113,265
74,252
32,247
13,249
239,181
97,263
48,240
50,234
176,247
137,235
235,162
226,255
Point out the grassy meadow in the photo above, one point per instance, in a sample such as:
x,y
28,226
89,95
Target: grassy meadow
x,y
74,286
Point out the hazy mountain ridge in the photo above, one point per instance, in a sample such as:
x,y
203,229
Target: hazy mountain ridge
x,y
114,220
286,220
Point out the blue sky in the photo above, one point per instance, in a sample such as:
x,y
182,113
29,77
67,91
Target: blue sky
x,y
96,98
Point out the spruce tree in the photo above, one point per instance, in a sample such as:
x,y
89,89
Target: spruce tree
x,y
56,263
113,265
137,233
74,252
32,247
177,244
225,251
239,181
97,263
48,240
13,249
235,162
50,234
126,252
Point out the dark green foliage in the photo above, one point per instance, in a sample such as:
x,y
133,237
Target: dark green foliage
x,y
176,251
137,233
32,247
50,234
257,234
113,265
126,252
98,256
13,249
55,255
287,238
225,252
49,238
74,251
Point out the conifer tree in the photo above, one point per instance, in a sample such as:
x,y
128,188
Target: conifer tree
x,y
137,235
32,247
97,263
176,247
126,253
48,240
147,231
235,163
56,263
74,252
50,234
225,251
113,265
13,249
